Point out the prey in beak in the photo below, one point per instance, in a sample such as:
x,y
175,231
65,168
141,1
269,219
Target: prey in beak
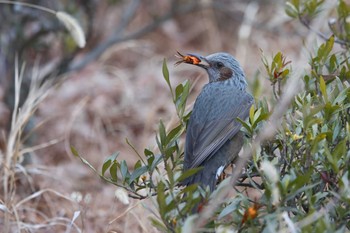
x,y
192,59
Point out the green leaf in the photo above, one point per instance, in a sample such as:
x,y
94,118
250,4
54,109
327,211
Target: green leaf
x,y
333,63
108,161
329,45
189,190
174,134
185,93
233,206
158,159
277,61
340,150
302,188
331,160
137,173
113,171
246,125
137,164
178,91
285,72
343,9
329,110
124,170
189,173
324,51
148,153
162,134
159,225
105,166
161,199
341,96
251,114
166,77
291,10
323,89
74,151
166,73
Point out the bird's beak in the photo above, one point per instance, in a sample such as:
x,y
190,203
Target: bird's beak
x,y
202,59
193,59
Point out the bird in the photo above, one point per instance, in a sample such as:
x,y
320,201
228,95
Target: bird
x,y
213,135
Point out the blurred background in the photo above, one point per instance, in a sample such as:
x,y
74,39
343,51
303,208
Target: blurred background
x,y
113,90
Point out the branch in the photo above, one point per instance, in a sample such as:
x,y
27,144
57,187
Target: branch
x,y
321,35
117,37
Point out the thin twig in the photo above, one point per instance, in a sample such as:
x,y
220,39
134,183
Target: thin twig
x,y
321,35
117,38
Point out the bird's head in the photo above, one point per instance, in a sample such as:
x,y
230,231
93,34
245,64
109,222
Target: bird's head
x,y
220,67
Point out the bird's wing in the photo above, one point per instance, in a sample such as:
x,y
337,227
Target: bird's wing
x,y
213,122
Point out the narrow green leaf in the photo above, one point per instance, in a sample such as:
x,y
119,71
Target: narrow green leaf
x,y
333,63
74,151
158,159
340,150
257,114
291,10
329,45
137,173
229,209
246,125
137,164
166,77
108,161
159,225
189,173
124,170
285,72
178,91
105,166
113,171
148,153
189,189
251,114
174,134
341,96
166,73
162,133
277,60
161,199
323,89
185,92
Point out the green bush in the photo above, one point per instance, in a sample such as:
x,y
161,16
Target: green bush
x,y
302,171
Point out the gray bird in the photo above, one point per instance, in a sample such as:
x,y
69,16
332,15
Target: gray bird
x,y
213,138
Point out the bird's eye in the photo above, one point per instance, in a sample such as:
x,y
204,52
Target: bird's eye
x,y
219,64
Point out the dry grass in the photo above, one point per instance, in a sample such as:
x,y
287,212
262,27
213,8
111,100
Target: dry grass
x,y
122,95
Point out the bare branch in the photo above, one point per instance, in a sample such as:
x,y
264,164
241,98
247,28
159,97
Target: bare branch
x,y
117,37
321,35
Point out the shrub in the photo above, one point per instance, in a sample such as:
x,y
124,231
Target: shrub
x,y
296,153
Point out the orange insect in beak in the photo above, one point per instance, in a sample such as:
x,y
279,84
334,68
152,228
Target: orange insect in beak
x,y
190,59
